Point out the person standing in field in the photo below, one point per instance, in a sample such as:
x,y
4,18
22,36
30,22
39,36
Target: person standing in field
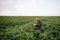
x,y
38,23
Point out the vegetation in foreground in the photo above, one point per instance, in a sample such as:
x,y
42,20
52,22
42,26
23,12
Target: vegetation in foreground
x,y
21,28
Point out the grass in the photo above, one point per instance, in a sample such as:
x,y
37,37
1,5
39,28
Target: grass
x,y
21,28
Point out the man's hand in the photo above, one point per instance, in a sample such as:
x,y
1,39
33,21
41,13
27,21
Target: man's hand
x,y
34,24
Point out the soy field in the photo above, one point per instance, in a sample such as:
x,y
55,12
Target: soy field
x,y
21,28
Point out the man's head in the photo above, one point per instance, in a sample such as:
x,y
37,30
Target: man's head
x,y
37,18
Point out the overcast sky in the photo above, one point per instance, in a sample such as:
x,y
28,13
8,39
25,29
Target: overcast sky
x,y
30,7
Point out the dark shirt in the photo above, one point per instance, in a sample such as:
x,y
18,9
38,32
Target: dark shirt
x,y
39,23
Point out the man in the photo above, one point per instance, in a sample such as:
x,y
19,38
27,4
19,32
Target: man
x,y
38,24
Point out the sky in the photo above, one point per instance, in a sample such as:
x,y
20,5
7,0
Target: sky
x,y
29,7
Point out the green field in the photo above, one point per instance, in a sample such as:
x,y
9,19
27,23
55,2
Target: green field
x,y
21,28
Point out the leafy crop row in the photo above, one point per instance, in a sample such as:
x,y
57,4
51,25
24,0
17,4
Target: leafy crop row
x,y
21,28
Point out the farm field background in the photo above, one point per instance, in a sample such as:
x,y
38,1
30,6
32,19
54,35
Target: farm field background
x,y
21,28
